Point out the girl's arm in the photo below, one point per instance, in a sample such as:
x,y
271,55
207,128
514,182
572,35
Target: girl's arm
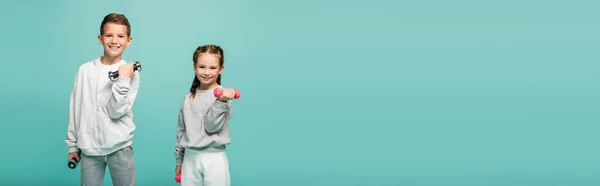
x,y
218,114
179,150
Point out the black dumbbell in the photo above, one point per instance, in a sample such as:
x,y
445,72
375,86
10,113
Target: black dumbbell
x,y
115,74
72,163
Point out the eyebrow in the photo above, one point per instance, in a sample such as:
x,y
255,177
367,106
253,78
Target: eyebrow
x,y
208,65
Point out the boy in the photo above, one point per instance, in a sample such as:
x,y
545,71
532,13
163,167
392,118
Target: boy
x,y
100,128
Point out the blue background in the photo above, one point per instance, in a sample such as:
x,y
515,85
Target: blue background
x,y
333,92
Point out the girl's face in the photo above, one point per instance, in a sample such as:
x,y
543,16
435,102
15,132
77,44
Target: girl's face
x,y
207,70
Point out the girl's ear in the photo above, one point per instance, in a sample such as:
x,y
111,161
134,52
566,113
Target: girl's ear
x,y
221,71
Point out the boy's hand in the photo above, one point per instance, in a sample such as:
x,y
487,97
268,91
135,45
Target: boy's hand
x,y
74,155
126,70
177,170
228,94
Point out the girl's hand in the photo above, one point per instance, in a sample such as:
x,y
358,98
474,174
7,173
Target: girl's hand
x,y
177,170
228,94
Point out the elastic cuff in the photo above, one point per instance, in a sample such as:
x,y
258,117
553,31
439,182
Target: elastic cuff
x,y
124,81
73,149
222,105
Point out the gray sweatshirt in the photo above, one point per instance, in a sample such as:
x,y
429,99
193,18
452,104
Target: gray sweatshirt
x,y
202,124
100,111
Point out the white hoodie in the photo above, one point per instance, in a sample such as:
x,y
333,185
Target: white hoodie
x,y
100,116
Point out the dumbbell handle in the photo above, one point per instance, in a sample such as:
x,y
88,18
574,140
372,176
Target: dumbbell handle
x,y
114,74
219,91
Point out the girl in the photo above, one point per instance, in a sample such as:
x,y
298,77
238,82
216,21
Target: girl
x,y
202,129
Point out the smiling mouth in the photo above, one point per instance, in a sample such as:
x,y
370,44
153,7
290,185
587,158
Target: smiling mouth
x,y
114,47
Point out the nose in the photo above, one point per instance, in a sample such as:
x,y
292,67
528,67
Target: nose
x,y
205,72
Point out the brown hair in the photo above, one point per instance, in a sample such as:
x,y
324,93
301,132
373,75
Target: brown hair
x,y
117,19
206,49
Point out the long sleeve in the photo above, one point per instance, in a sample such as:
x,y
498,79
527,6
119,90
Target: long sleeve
x,y
73,121
216,116
179,150
124,92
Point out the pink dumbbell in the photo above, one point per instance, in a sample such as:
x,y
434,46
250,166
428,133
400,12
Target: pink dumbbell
x,y
219,91
178,178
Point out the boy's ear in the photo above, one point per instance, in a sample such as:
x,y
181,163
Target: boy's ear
x,y
100,39
129,40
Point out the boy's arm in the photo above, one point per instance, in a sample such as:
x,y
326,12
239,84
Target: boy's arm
x,y
73,123
179,150
216,116
124,92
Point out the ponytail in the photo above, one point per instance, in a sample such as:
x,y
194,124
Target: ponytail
x,y
195,85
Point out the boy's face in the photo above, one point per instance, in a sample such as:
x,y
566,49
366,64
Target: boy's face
x,y
114,40
208,69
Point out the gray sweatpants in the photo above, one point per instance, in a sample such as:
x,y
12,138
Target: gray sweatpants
x,y
121,165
